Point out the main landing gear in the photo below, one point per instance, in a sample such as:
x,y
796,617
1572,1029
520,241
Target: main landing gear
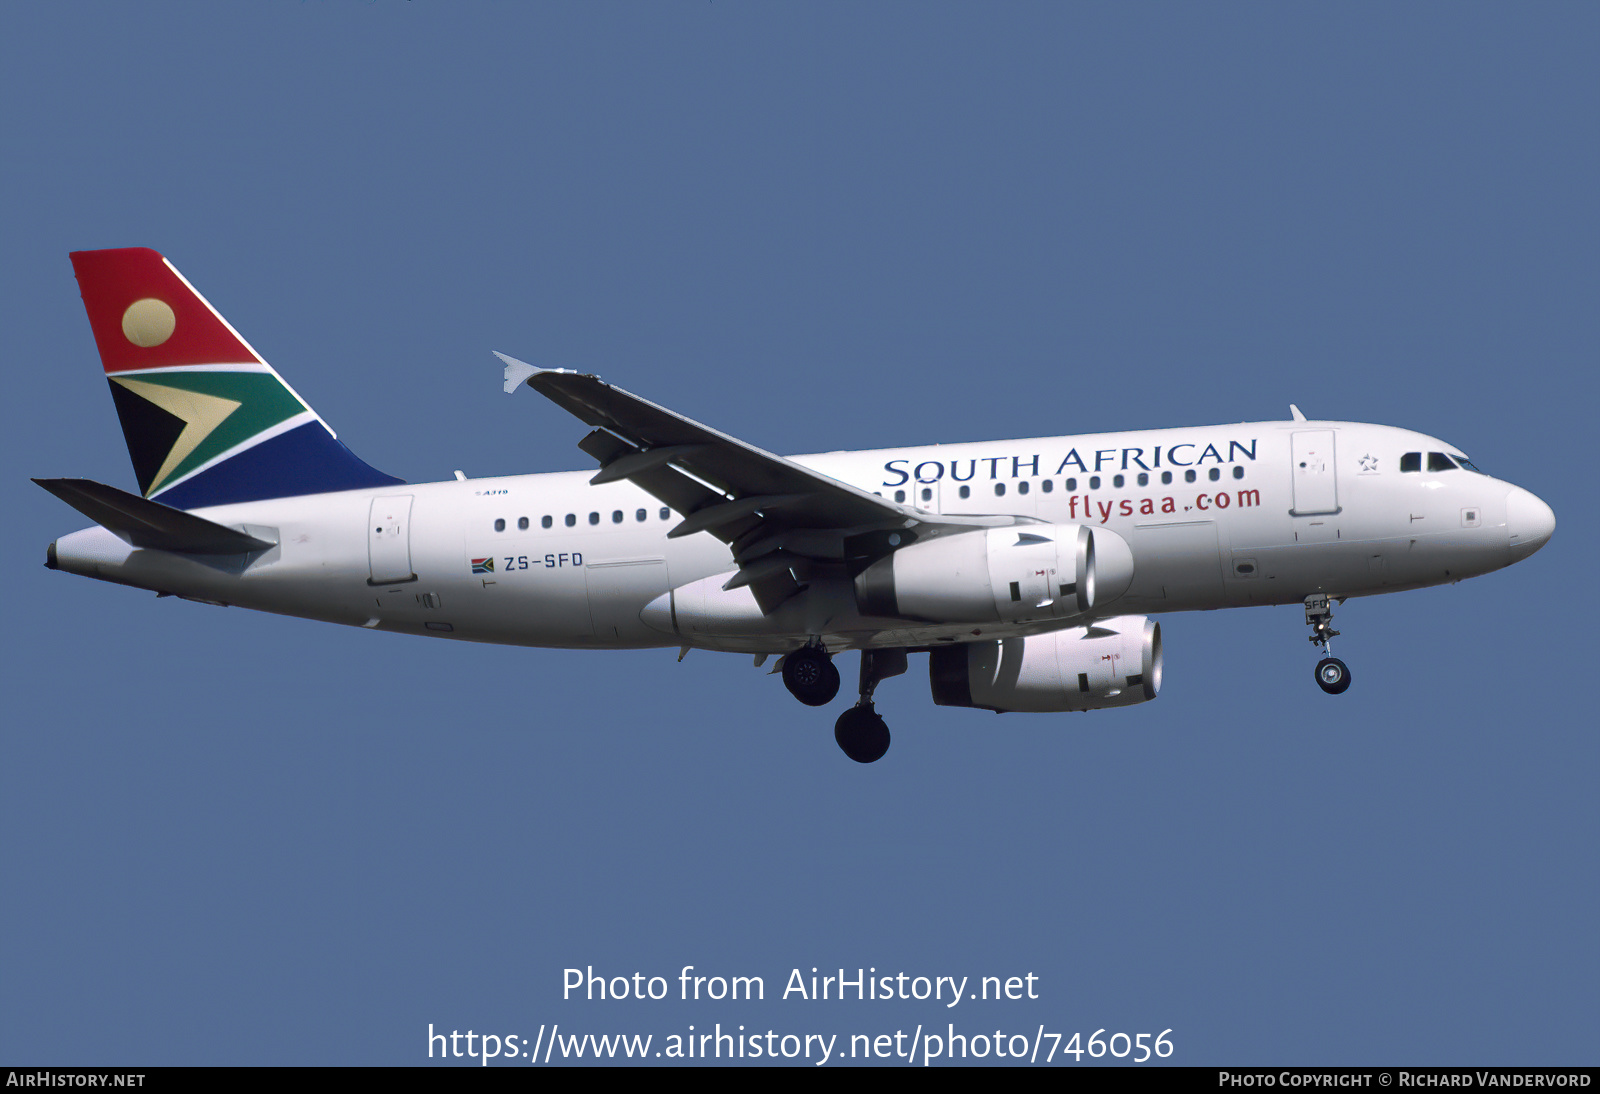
x,y
810,676
1333,675
861,731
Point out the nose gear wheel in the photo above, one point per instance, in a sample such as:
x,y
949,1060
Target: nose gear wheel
x,y
1333,676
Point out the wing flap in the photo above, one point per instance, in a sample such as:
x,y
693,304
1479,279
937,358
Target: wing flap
x,y
638,461
722,514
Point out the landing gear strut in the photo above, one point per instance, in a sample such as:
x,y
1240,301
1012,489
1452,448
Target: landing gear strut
x,y
1333,675
810,676
861,731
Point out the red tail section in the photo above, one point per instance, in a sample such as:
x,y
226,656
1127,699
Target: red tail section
x,y
145,315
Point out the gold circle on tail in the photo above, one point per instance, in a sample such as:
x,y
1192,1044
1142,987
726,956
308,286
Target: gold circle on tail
x,y
148,322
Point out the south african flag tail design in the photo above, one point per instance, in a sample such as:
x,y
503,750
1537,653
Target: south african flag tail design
x,y
207,421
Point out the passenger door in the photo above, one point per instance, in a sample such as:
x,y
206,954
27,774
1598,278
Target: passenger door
x,y
1314,470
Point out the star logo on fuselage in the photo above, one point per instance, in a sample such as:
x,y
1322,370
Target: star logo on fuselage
x,y
1369,464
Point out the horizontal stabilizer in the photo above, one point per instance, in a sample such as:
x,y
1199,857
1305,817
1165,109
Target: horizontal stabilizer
x,y
144,523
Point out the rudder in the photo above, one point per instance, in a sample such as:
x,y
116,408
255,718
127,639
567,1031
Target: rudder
x,y
206,419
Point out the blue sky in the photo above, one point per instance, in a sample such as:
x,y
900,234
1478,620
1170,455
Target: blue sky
x,y
235,838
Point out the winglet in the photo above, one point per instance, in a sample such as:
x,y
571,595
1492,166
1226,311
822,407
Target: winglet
x,y
518,372
1294,410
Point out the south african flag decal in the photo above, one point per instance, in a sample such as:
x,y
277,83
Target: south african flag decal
x,y
483,565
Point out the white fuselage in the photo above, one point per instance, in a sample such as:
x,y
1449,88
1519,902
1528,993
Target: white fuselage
x,y
1218,516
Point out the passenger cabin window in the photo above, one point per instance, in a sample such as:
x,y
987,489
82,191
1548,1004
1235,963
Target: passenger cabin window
x,y
1094,482
899,495
1047,485
545,522
522,524
1166,477
1118,480
1238,471
1072,485
572,519
1438,461
500,525
1022,487
594,518
640,515
927,494
966,491
1214,474
1188,476
1144,480
665,512
999,489
616,516
1411,461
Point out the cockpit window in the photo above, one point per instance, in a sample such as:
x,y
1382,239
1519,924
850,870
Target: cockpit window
x,y
1464,462
1411,461
1438,461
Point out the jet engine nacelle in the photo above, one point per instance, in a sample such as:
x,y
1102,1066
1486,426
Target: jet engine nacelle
x,y
1012,574
1114,663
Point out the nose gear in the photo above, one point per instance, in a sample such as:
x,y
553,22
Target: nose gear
x,y
1333,675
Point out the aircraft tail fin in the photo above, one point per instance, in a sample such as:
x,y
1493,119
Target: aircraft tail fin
x,y
206,419
144,523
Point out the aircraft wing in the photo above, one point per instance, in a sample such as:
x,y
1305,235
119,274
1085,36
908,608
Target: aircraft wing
x,y
770,511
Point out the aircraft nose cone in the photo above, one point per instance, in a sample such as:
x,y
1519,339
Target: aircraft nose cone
x,y
1529,523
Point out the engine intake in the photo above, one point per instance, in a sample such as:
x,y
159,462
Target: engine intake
x,y
1114,663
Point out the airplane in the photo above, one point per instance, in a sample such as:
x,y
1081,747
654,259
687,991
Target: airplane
x,y
1027,570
